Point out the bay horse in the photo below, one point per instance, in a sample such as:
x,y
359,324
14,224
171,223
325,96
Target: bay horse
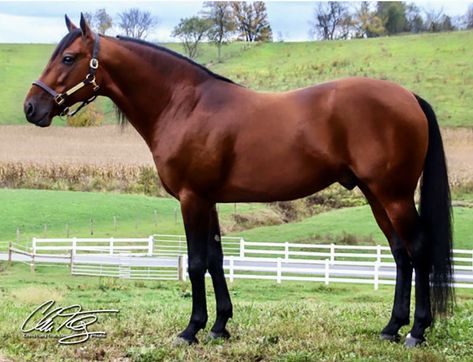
x,y
215,141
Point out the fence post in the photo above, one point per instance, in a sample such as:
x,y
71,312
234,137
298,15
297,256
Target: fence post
x,y
242,248
279,271
286,250
327,272
9,252
378,253
376,276
32,266
33,246
332,252
184,267
180,268
150,245
231,268
74,245
111,245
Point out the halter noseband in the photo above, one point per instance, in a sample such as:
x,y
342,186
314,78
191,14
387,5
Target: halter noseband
x,y
60,98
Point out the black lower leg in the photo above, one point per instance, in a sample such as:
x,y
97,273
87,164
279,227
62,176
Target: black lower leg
x,y
402,294
196,221
423,313
222,296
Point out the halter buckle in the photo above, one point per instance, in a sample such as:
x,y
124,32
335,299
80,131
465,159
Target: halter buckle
x,y
94,63
59,99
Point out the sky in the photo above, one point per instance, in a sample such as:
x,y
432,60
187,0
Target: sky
x,y
43,21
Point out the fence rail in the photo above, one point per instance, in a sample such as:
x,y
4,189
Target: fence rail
x,y
164,257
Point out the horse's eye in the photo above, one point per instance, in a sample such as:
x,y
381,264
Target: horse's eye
x,y
68,60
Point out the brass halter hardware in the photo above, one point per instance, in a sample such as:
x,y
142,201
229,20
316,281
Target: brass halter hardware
x,y
60,98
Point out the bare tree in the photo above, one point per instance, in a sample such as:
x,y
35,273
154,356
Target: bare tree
x,y
437,21
332,20
469,17
137,23
89,18
252,21
366,23
192,31
219,13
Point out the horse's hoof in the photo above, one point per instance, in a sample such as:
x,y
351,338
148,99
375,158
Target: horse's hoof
x,y
184,341
390,337
217,335
412,342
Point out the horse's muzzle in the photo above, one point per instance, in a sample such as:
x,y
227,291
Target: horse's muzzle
x,y
37,112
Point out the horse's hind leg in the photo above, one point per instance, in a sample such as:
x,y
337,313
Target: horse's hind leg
x,y
402,294
406,223
215,266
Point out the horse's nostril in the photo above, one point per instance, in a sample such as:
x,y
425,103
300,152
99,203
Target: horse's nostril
x,y
29,109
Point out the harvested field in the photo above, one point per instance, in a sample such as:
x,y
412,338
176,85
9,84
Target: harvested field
x,y
69,145
112,145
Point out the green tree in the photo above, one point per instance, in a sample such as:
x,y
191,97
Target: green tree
x,y
191,31
103,21
393,15
219,13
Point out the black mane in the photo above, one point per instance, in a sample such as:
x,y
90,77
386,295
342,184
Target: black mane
x,y
177,55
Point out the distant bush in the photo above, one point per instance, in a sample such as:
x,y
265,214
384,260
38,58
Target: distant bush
x,y
87,117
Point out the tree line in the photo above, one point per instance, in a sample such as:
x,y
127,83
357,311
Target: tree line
x,y
220,22
345,20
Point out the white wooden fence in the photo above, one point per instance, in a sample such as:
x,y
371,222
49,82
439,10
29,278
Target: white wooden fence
x,y
164,257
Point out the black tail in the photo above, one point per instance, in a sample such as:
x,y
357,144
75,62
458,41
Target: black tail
x,y
436,216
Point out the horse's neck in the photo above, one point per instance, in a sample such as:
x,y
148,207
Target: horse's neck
x,y
140,89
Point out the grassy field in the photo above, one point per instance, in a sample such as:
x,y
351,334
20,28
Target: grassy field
x,y
436,66
314,323
45,213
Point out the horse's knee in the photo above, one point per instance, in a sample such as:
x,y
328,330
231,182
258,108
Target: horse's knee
x,y
196,267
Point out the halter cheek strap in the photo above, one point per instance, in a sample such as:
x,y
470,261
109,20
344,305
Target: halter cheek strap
x,y
60,98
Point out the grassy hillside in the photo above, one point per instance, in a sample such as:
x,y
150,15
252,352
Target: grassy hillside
x,y
31,210
354,224
437,66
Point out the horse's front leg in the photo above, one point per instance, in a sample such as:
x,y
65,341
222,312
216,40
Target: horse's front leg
x,y
196,216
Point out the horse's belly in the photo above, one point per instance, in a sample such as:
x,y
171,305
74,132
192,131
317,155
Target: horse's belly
x,y
278,180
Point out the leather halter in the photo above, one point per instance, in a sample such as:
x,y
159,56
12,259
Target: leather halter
x,y
60,98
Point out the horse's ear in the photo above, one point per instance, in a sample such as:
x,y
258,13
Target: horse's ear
x,y
84,26
69,24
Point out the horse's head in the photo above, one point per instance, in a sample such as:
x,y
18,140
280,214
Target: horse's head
x,y
69,77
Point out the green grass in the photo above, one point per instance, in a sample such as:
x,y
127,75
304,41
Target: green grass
x,y
287,322
439,67
31,210
357,221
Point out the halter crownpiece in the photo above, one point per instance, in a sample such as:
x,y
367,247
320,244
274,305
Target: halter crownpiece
x,y
60,98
